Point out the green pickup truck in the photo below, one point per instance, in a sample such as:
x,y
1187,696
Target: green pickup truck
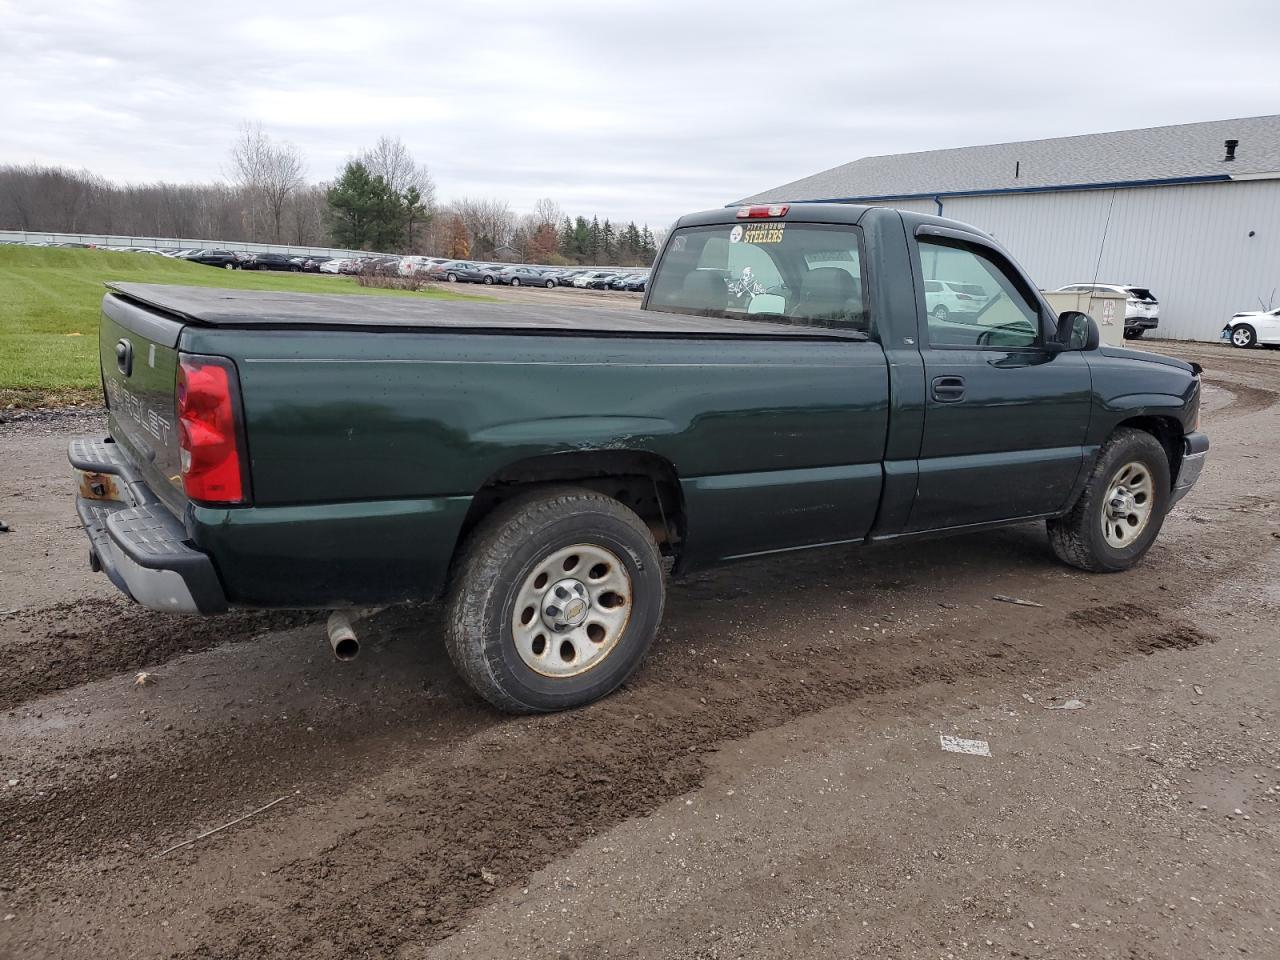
x,y
786,386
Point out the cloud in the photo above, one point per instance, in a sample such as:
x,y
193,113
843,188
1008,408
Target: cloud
x,y
629,113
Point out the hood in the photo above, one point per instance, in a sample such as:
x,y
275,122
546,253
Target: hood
x,y
1147,356
1255,313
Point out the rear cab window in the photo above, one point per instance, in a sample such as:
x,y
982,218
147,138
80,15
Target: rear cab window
x,y
809,274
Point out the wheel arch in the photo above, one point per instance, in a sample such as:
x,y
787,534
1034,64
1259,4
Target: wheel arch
x,y
644,482
1166,429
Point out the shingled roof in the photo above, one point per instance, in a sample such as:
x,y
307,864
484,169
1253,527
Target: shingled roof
x,y
1186,152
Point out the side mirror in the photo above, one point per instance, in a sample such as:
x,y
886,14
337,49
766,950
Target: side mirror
x,y
1077,331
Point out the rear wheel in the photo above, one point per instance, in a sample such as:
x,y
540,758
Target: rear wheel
x,y
452,278
515,281
555,600
940,313
1243,336
1120,512
488,279
549,284
229,266
1133,333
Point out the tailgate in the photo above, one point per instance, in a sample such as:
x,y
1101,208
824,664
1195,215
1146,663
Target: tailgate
x,y
137,350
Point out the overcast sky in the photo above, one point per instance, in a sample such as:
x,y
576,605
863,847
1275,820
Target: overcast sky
x,y
643,110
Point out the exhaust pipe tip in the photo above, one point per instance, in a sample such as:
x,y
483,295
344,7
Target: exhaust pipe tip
x,y
342,637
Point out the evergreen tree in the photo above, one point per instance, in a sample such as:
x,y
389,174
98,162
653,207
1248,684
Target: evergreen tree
x,y
564,239
648,246
354,205
609,243
365,213
416,214
595,244
581,240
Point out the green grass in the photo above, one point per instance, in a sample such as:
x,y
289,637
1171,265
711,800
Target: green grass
x,y
51,298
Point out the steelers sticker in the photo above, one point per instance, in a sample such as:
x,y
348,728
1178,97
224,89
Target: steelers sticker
x,y
762,233
735,235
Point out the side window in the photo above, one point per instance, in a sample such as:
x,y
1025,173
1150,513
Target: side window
x,y
972,302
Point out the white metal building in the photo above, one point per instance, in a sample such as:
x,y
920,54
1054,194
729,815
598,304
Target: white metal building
x,y
1191,212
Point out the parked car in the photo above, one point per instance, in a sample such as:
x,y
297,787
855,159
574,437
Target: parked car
x,y
411,265
1141,308
769,404
333,265
637,284
272,261
313,264
226,259
619,281
597,279
565,278
942,298
463,271
517,276
1253,327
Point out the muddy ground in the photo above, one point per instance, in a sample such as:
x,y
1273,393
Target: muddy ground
x,y
769,785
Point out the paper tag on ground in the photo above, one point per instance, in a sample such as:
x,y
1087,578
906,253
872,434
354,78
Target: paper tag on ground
x,y
978,748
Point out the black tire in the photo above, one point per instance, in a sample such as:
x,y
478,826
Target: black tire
x,y
1249,340
549,284
499,557
1133,333
451,277
1077,537
515,281
488,280
940,313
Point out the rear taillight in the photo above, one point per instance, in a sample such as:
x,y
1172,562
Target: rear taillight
x,y
208,396
775,210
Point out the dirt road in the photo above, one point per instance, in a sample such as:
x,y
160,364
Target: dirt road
x,y
769,785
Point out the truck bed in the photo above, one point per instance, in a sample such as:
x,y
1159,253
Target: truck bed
x,y
258,309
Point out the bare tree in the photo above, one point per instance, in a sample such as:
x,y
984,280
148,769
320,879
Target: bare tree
x,y
489,223
267,173
390,159
547,210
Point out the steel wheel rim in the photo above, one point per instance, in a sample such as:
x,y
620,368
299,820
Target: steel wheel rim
x,y
1128,505
571,610
1240,337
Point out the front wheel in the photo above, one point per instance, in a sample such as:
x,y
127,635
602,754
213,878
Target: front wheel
x,y
452,278
515,281
1120,512
554,601
488,280
549,284
229,266
1243,336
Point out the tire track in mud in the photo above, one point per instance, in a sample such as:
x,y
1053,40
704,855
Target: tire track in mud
x,y
61,646
504,797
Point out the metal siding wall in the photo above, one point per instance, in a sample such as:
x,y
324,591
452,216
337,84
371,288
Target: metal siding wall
x,y
1189,244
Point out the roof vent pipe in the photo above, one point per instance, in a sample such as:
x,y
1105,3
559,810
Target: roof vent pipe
x,y
1231,150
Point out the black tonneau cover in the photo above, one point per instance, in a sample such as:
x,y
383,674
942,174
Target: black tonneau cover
x,y
271,309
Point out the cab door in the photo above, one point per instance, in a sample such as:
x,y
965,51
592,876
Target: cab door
x,y
1005,415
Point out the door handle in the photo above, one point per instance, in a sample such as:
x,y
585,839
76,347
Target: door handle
x,y
948,389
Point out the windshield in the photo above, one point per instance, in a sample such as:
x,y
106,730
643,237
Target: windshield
x,y
804,273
